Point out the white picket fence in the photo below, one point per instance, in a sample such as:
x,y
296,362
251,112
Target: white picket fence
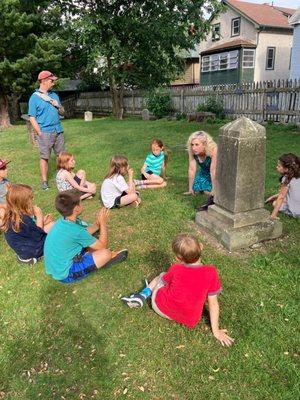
x,y
277,101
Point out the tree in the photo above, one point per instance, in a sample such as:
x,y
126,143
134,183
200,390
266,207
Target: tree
x,y
27,45
136,43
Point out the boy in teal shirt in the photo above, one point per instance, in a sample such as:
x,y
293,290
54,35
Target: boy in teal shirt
x,y
66,256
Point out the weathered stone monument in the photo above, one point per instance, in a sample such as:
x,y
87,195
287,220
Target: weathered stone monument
x,y
88,116
238,218
145,114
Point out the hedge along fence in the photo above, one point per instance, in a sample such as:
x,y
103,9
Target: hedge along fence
x,y
277,101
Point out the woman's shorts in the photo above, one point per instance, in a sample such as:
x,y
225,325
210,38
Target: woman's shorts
x,y
83,265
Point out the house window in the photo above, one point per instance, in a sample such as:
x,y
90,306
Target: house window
x,y
216,32
270,61
235,26
248,58
220,61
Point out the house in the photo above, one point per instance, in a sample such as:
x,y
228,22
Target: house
x,y
191,73
295,58
248,42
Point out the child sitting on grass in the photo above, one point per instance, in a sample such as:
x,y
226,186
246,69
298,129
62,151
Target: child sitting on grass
x,y
154,166
71,252
288,199
115,192
4,184
25,228
66,179
180,293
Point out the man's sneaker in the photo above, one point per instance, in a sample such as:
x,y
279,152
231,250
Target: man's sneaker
x,y
118,258
28,261
45,185
136,300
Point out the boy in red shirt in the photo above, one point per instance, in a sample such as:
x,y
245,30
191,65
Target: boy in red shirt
x,y
181,292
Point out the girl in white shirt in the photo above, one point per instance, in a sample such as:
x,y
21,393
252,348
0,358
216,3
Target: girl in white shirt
x,y
115,191
288,199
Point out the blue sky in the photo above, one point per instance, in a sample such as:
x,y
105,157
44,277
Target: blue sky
x,y
282,3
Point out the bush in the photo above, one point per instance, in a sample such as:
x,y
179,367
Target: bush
x,y
181,116
159,104
213,105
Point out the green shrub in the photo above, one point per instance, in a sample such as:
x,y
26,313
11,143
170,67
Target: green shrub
x,y
159,104
181,116
213,105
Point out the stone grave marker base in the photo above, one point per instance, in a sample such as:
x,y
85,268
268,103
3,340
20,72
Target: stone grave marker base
x,y
240,230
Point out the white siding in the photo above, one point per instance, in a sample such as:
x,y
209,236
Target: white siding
x,y
295,61
247,30
283,44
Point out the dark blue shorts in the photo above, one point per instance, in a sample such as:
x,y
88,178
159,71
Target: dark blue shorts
x,y
83,265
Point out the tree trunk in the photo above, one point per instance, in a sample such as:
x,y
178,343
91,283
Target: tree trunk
x,y
4,116
14,107
117,101
116,93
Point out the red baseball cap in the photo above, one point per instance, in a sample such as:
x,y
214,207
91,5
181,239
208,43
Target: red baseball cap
x,y
47,74
3,163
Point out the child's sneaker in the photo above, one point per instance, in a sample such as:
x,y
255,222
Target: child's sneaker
x,y
136,300
45,185
118,258
28,261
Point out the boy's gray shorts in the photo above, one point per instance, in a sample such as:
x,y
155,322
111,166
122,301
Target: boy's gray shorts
x,y
49,141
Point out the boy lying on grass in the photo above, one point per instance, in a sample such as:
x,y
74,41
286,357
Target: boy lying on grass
x,y
180,293
71,252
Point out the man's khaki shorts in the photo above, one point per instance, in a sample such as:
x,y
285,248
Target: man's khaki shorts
x,y
49,141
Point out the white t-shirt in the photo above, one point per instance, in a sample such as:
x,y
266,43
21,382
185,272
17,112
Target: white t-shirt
x,y
112,188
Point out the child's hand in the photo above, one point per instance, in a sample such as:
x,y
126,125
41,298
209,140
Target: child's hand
x,y
37,211
189,193
271,198
223,338
102,216
48,218
130,172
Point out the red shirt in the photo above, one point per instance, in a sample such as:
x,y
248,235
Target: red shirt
x,y
185,292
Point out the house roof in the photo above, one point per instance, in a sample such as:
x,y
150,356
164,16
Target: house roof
x,y
295,19
262,14
230,45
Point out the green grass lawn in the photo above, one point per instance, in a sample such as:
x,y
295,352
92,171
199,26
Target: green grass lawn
x,y
80,342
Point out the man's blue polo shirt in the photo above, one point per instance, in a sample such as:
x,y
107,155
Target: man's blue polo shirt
x,y
46,115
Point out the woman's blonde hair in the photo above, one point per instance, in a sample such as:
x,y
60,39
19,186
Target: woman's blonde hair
x,y
204,138
117,165
62,161
19,202
187,248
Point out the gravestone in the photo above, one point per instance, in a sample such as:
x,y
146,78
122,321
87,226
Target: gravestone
x,y
88,116
145,114
238,218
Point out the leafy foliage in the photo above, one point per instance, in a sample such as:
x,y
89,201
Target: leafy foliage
x,y
159,104
136,43
213,105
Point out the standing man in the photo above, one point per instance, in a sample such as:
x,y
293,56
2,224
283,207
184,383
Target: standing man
x,y
44,114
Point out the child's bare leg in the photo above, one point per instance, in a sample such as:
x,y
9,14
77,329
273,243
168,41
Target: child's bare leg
x,y
128,199
82,176
92,188
101,257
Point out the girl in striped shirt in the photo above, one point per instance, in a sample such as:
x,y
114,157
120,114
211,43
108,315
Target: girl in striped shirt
x,y
154,166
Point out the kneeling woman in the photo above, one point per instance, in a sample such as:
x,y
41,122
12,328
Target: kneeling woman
x,y
202,151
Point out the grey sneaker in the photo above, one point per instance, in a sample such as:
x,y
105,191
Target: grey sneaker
x,y
135,300
45,185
